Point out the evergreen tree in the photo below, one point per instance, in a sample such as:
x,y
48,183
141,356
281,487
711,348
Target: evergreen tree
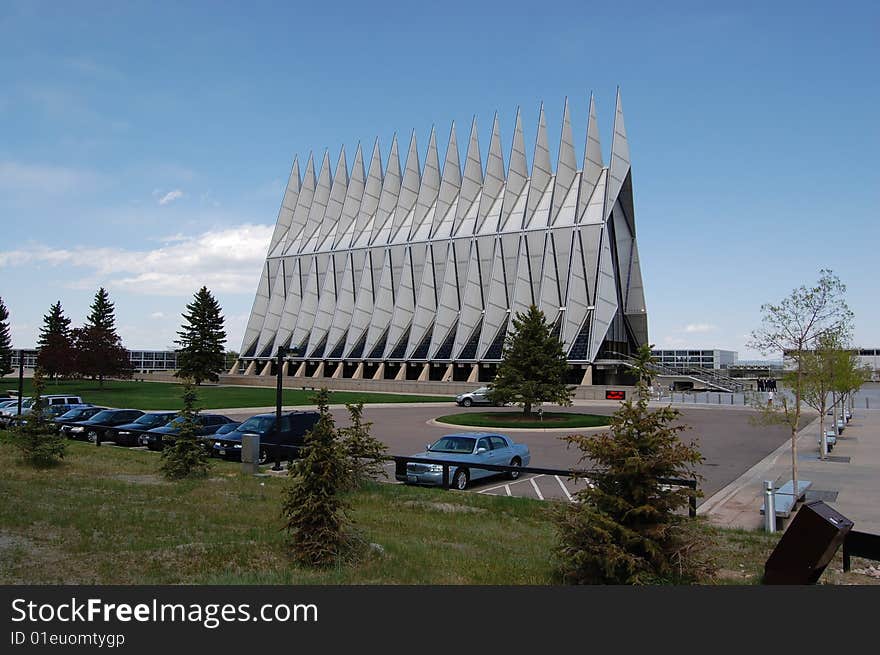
x,y
202,354
365,455
55,345
5,342
186,456
533,365
99,350
38,444
314,514
626,527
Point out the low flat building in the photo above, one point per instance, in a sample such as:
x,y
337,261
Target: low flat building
x,y
688,359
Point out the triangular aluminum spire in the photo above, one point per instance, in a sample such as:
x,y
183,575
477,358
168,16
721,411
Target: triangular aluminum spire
x,y
388,198
370,200
471,302
606,297
577,302
428,192
517,177
426,305
540,178
324,313
318,208
450,186
383,306
363,307
620,161
285,214
305,317
333,213
566,167
496,302
273,310
592,160
404,300
301,212
353,194
344,306
447,306
291,302
471,184
409,193
549,300
493,183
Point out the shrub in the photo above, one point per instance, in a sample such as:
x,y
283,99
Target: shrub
x,y
186,457
38,443
365,455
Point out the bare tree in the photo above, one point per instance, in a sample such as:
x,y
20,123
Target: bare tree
x,y
793,327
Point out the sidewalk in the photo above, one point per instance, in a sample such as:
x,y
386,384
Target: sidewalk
x,y
847,480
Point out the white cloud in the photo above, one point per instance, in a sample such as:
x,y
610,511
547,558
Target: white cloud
x,y
226,260
157,315
171,196
696,328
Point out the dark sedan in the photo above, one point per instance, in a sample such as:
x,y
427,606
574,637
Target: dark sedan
x,y
130,433
294,426
96,427
158,438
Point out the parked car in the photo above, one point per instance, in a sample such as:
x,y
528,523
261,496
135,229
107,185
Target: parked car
x,y
97,425
470,449
80,413
294,426
158,438
476,397
27,403
130,433
50,413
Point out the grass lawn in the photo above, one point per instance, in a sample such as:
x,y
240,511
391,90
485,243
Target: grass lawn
x,y
517,420
163,395
104,516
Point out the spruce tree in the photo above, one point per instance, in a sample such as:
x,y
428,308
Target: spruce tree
x,y
314,514
186,457
55,344
627,526
365,454
5,342
533,365
39,445
99,350
202,341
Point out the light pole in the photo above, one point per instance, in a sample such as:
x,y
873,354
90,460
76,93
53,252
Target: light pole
x,y
279,377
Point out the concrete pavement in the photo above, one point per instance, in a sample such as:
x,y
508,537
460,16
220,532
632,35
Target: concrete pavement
x,y
847,480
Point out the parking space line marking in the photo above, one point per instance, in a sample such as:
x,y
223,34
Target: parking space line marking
x,y
507,489
568,495
537,491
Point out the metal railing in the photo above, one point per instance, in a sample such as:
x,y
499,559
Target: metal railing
x,y
401,461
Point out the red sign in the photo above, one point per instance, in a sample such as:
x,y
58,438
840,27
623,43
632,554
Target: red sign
x,y
615,394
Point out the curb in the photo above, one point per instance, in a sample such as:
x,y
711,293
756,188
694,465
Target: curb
x,y
440,424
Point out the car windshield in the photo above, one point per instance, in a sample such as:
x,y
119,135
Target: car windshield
x,y
153,420
229,427
106,415
77,413
453,445
257,424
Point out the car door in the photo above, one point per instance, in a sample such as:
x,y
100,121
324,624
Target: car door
x,y
482,442
480,396
501,451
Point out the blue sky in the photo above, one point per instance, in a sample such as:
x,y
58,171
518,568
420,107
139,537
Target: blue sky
x,y
144,146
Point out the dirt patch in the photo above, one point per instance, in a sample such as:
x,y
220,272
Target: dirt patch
x,y
447,508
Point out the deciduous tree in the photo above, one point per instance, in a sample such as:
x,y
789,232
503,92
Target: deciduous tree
x,y
99,349
793,327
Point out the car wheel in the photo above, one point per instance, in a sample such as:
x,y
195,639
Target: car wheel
x,y
467,402
460,481
263,456
513,475
92,436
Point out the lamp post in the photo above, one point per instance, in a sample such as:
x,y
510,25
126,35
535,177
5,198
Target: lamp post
x,y
282,353
20,379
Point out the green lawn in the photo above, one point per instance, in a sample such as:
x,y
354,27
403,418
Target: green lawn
x,y
517,420
162,395
105,516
